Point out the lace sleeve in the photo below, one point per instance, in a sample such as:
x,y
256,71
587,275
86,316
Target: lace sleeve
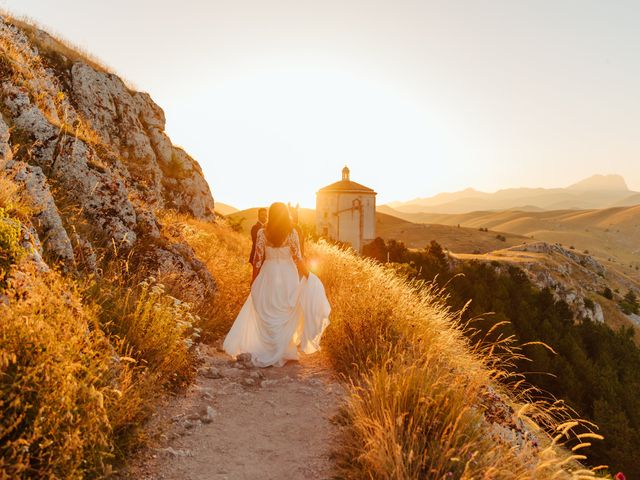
x,y
294,245
261,241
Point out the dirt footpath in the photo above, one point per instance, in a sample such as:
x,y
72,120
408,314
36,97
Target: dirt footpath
x,y
238,422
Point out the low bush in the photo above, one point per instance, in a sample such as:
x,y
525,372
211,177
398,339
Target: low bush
x,y
82,367
56,383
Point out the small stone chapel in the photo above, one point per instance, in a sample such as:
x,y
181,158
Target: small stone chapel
x,y
346,211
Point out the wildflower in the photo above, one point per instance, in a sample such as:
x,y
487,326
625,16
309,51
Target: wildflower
x,y
157,289
620,476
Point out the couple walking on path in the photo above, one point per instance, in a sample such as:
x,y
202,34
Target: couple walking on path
x,y
287,308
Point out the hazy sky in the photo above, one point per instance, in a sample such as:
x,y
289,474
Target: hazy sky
x,y
417,97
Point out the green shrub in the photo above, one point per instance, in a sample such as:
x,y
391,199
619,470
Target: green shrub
x,y
629,303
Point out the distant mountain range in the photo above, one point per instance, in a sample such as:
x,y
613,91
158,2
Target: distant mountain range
x,y
597,191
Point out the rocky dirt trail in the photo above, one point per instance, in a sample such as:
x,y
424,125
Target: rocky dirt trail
x,y
240,422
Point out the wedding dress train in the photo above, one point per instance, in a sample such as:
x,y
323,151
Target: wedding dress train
x,y
282,313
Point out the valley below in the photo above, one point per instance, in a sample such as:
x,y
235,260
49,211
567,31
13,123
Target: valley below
x,y
610,234
575,253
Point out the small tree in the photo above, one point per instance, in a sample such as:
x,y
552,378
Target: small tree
x,y
376,249
629,303
607,293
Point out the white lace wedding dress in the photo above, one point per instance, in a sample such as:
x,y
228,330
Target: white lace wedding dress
x,y
283,312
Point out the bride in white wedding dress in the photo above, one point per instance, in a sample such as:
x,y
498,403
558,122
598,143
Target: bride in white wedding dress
x,y
287,308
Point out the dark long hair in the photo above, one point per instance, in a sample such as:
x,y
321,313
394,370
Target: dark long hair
x,y
279,224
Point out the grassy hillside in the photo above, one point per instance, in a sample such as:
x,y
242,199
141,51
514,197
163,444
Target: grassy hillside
x,y
612,234
583,364
224,209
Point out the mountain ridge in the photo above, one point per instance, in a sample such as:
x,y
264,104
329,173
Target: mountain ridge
x,y
596,191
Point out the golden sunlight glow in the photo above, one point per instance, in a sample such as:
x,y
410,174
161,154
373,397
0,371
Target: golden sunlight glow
x,y
314,264
273,98
300,125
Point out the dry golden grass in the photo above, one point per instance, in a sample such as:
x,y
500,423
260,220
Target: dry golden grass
x,y
12,201
153,333
9,193
83,366
226,255
415,407
55,383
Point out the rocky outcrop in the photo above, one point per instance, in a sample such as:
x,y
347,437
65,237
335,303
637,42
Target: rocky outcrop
x,y
571,276
134,125
93,158
581,259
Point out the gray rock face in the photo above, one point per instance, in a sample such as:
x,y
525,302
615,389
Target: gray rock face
x,y
87,150
73,165
46,220
134,126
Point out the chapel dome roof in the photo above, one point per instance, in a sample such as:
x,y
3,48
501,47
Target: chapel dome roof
x,y
346,185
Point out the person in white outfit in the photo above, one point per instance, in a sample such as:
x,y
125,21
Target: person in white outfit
x,y
287,308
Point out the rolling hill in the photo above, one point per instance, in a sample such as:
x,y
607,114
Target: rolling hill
x,y
224,209
612,234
